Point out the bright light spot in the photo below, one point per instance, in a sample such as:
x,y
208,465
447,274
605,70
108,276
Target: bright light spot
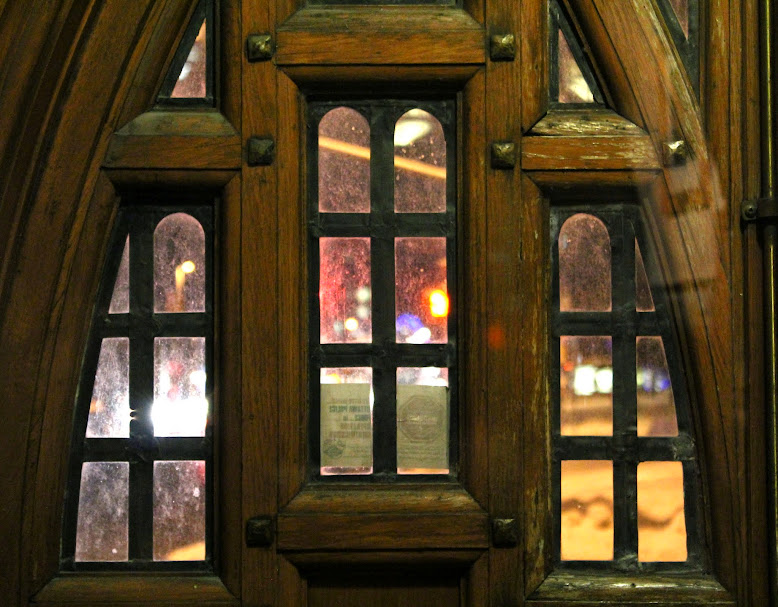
x,y
363,294
422,336
439,303
410,128
363,312
351,324
188,267
174,417
604,380
584,380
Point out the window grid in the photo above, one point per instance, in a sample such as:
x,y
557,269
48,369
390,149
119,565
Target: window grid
x,y
382,225
141,325
625,448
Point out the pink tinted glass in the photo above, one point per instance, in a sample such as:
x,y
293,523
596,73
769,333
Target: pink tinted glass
x,y
344,162
102,528
344,290
180,406
584,265
179,510
179,265
644,301
572,84
421,292
586,385
109,409
681,8
191,80
656,404
120,300
419,164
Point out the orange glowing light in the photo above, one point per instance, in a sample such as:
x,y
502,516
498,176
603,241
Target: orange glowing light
x,y
439,303
351,324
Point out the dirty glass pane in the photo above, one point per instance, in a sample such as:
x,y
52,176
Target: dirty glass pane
x,y
179,510
102,530
572,84
344,162
344,290
656,404
180,406
421,292
584,265
109,409
346,437
419,164
120,300
587,510
661,517
191,80
422,420
586,385
681,9
179,265
643,298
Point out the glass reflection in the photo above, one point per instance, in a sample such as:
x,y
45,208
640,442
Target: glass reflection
x,y
661,517
102,528
191,80
421,291
584,265
344,290
109,409
572,84
179,265
656,403
344,162
179,510
419,164
586,385
644,301
180,406
120,300
587,510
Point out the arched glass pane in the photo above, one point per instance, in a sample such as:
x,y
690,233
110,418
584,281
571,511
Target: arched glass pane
x,y
656,404
584,265
419,164
661,516
120,300
179,265
644,301
109,409
344,162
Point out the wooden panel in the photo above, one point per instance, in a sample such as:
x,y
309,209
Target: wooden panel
x,y
588,153
585,122
390,35
407,591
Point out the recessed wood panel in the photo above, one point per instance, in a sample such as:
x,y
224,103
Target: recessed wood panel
x,y
379,591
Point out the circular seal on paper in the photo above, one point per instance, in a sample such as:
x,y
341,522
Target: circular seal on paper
x,y
421,418
333,448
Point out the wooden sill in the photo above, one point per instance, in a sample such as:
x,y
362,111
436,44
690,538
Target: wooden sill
x,y
95,590
591,589
396,517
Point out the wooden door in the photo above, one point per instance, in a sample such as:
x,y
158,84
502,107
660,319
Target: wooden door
x,y
486,533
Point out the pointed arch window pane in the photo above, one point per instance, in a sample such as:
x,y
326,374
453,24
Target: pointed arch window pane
x,y
179,265
681,9
344,162
584,265
573,87
656,403
191,82
419,164
120,300
109,409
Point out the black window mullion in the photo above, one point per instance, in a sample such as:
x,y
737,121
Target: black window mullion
x,y
625,513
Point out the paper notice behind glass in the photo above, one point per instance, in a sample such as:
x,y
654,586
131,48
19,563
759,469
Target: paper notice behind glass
x,y
346,426
422,427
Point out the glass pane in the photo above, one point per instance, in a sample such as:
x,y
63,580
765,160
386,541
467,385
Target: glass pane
x,y
346,439
180,406
419,164
179,510
643,299
681,9
179,265
344,162
572,84
120,300
656,404
191,80
421,291
584,265
586,386
422,420
102,530
109,409
661,517
587,510
344,290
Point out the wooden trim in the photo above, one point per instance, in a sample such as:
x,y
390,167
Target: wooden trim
x,y
172,140
385,35
314,561
588,153
380,80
